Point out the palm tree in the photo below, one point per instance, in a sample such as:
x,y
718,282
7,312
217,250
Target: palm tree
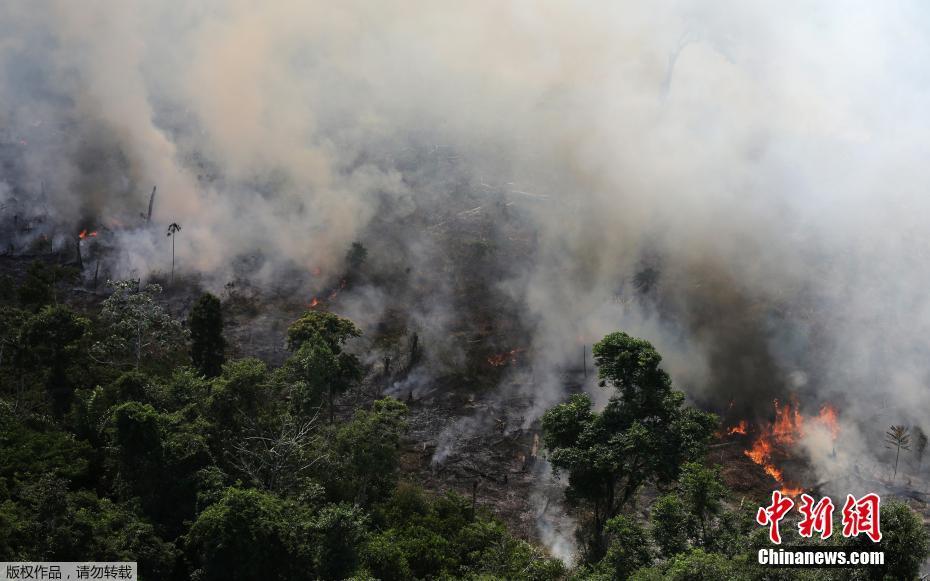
x,y
173,229
899,438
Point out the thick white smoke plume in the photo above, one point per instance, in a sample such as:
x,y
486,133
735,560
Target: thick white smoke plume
x,y
739,182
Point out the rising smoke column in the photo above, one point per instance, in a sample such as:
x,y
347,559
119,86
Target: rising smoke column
x,y
762,164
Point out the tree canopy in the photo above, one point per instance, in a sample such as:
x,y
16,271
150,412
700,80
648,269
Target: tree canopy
x,y
644,434
206,328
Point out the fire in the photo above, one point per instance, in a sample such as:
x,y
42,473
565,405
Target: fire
x,y
335,292
502,359
789,491
739,428
774,439
789,424
761,449
827,418
85,234
316,301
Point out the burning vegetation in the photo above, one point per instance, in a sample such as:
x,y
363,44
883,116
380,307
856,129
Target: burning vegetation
x,y
502,359
505,244
775,442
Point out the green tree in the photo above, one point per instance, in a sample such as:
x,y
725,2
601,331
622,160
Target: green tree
x,y
7,289
30,449
206,328
158,460
629,547
136,327
319,364
385,559
241,403
695,565
905,542
364,454
48,522
136,435
250,535
702,491
669,525
39,287
643,435
52,343
11,322
338,533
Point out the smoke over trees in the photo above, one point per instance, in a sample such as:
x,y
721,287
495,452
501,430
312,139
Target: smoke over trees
x,y
740,185
643,434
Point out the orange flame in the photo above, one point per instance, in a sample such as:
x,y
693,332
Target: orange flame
x,y
502,359
85,234
314,303
760,451
335,292
789,424
790,491
784,432
739,428
827,418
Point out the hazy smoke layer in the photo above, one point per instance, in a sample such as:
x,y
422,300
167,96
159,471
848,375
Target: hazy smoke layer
x,y
739,182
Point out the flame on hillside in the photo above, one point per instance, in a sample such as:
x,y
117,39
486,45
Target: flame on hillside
x,y
775,440
739,428
501,359
317,301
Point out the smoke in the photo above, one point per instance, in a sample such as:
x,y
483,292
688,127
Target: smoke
x,y
739,183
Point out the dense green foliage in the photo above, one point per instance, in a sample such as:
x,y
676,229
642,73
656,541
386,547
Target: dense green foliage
x,y
113,446
319,365
642,436
645,435
207,343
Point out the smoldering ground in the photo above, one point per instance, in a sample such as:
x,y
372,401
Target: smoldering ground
x,y
742,184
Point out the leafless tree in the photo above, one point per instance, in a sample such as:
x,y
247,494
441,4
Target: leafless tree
x,y
278,458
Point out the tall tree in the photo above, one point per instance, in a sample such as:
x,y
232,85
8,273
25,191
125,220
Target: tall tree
x,y
319,362
206,327
52,342
362,468
136,326
702,490
40,285
643,435
669,520
899,438
173,230
249,535
905,542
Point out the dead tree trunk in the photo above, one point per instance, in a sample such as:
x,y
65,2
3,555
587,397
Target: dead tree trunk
x,y
148,217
